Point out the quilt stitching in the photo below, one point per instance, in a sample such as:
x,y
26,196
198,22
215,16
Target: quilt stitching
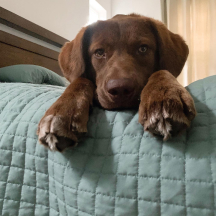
x,y
138,167
8,171
122,174
54,183
36,99
117,171
84,170
43,166
160,167
100,172
141,199
210,163
63,188
100,155
185,172
22,179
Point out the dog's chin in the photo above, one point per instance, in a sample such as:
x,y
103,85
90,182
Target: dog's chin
x,y
107,103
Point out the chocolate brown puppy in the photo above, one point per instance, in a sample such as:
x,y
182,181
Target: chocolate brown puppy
x,y
127,62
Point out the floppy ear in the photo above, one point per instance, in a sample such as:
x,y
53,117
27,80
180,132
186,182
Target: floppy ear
x,y
173,51
71,59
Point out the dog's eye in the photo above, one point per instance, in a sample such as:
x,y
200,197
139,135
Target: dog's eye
x,y
100,53
143,49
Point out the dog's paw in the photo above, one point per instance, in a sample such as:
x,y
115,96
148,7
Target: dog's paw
x,y
62,125
166,111
55,133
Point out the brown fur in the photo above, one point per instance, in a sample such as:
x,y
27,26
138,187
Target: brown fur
x,y
68,116
165,108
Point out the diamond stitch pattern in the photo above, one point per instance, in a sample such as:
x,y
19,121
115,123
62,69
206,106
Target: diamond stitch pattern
x,y
117,169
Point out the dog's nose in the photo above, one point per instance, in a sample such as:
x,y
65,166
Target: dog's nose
x,y
120,87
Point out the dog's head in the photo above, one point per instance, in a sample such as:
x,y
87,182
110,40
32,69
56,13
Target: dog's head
x,y
120,54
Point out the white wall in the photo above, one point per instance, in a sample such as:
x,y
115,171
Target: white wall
x,y
107,5
66,17
63,17
150,8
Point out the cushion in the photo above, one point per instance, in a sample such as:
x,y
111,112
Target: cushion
x,y
30,74
117,169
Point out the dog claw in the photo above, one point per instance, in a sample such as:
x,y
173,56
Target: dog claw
x,y
52,141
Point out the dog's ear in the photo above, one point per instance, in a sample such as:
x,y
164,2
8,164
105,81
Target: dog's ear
x,y
172,49
71,59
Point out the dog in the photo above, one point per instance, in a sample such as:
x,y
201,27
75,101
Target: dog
x,y
126,62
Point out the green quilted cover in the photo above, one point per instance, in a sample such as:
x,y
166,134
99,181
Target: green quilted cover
x,y
117,170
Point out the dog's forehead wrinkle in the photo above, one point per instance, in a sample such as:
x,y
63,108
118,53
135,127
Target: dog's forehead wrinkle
x,y
133,28
105,29
119,33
